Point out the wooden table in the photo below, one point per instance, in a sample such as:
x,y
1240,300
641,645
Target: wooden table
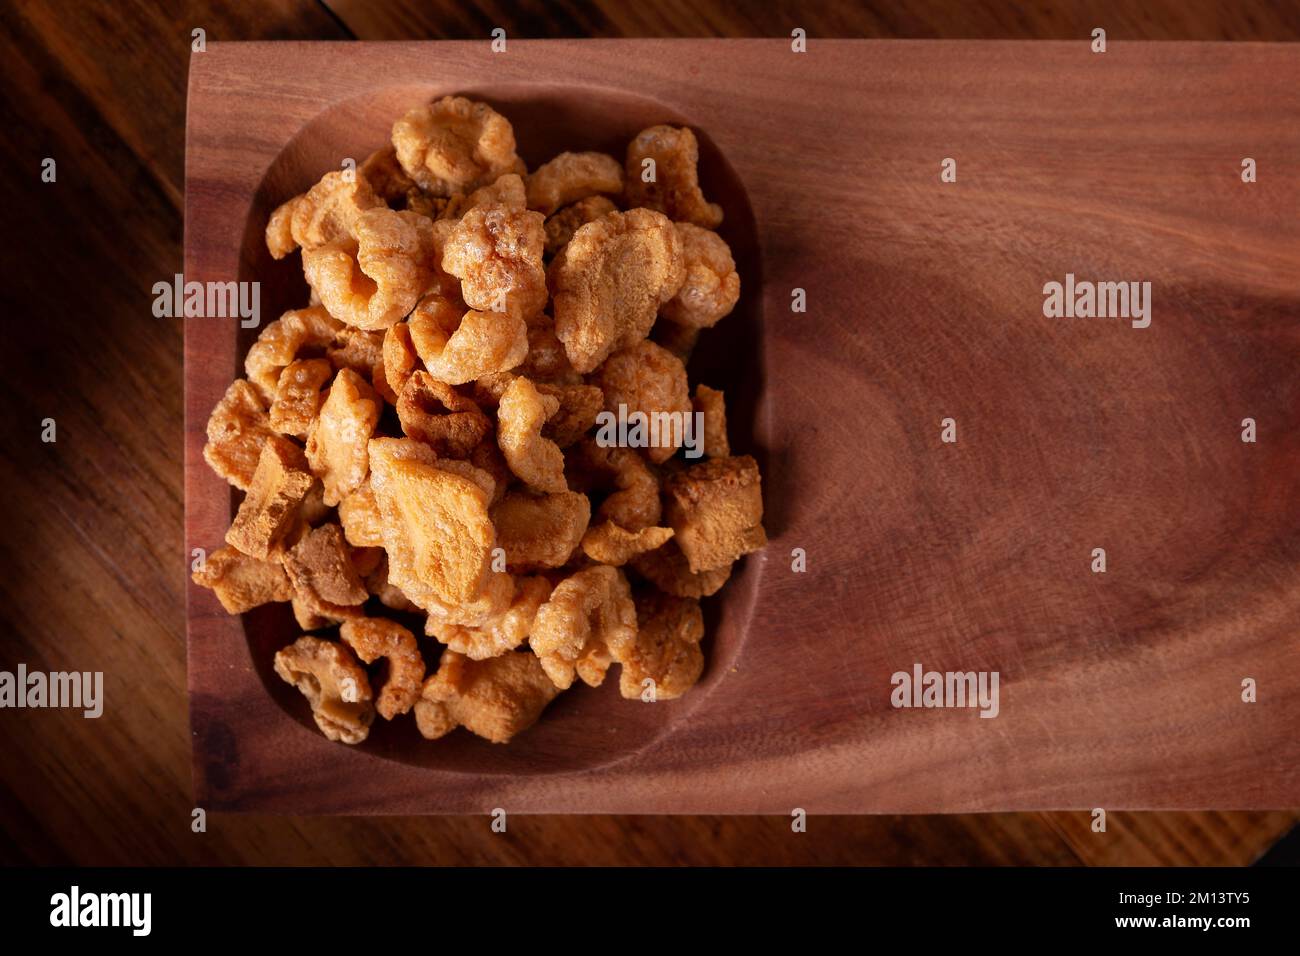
x,y
93,547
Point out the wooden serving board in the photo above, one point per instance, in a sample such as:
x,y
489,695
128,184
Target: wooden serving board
x,y
925,300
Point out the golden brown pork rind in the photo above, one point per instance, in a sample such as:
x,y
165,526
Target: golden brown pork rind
x,y
535,460
298,396
237,429
502,633
241,582
633,499
601,305
675,187
716,510
325,214
588,622
334,684
570,177
459,346
667,569
389,594
540,531
496,252
375,637
283,340
360,518
612,545
579,406
648,378
561,226
434,413
665,658
454,145
269,510
495,698
508,191
710,403
399,361
336,441
357,349
712,286
321,571
546,361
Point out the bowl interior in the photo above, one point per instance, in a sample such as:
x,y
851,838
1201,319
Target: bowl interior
x,y
584,727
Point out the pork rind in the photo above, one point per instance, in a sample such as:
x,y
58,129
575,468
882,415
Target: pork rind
x,y
241,582
588,622
334,684
495,699
360,518
599,302
540,531
535,460
434,413
321,571
709,402
357,349
283,340
336,442
666,650
326,214
716,510
667,569
454,145
573,176
375,637
496,252
435,525
459,346
298,396
237,429
504,632
507,191
561,226
648,378
633,499
546,360
389,594
385,175
269,510
610,544
675,187
374,279
712,286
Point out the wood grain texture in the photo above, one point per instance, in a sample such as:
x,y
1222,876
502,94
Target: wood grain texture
x,y
1120,690
88,588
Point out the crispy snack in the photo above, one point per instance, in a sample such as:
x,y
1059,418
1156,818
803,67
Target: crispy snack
x,y
359,516
375,637
540,531
535,460
570,177
336,442
435,525
313,509
298,396
358,349
459,346
675,187
320,569
600,304
454,145
487,458
495,699
579,406
666,652
241,582
712,286
502,633
610,544
648,378
399,361
588,622
561,226
237,429
633,502
270,509
433,412
716,509
507,191
281,342
496,252
385,175
546,360
373,279
389,594
710,403
667,569
326,213
334,684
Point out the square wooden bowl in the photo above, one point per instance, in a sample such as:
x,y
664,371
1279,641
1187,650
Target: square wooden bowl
x,y
1120,689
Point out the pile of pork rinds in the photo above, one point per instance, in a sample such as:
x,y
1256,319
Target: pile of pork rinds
x,y
421,437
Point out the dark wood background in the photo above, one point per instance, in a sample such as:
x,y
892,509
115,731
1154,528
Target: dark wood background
x,y
94,559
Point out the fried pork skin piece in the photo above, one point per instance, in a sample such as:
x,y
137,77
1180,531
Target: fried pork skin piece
x,y
496,252
237,430
666,655
459,345
535,460
716,510
608,283
633,499
375,637
588,622
504,632
579,406
612,545
710,403
270,508
674,187
561,226
326,213
434,413
495,699
647,378
667,569
712,286
298,396
334,684
570,177
319,565
240,582
542,531
360,518
454,145
336,441
281,342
